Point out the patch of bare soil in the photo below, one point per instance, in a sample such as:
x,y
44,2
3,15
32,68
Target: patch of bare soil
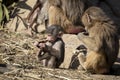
x,y
19,54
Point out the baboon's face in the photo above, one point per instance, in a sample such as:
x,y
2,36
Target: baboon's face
x,y
50,38
86,21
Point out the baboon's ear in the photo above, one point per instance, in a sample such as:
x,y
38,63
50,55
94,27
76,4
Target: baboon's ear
x,y
60,33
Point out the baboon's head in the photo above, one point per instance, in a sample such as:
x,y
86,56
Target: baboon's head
x,y
93,15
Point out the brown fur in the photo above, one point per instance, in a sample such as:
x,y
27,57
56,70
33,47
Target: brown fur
x,y
56,16
102,42
60,13
73,9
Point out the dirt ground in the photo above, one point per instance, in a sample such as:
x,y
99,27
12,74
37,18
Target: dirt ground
x,y
19,53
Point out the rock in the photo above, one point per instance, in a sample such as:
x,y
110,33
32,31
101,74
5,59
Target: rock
x,y
71,43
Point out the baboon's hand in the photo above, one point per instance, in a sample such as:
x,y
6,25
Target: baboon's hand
x,y
80,35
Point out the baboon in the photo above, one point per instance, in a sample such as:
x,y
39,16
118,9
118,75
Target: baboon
x,y
56,16
36,7
32,17
43,14
69,9
101,41
66,13
75,63
52,50
73,9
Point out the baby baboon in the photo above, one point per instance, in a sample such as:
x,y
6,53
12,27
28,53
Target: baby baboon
x,y
52,51
101,41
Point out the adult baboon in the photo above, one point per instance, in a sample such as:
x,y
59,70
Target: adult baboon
x,y
73,9
101,41
66,13
56,16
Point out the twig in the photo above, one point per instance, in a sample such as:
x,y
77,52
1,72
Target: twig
x,y
61,77
50,69
32,76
